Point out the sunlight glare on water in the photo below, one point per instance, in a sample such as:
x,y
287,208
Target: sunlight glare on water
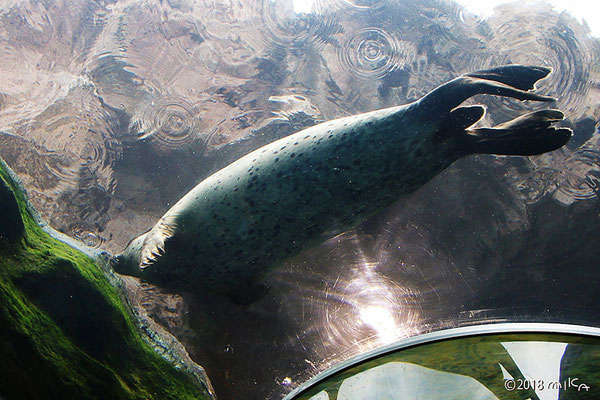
x,y
581,9
303,6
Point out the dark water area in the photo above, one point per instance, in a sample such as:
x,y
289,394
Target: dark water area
x,y
110,111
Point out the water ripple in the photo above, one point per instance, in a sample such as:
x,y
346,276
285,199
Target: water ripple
x,y
372,53
581,177
549,39
87,235
167,124
468,18
365,4
294,29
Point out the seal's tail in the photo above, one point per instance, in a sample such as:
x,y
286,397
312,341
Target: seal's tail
x,y
527,135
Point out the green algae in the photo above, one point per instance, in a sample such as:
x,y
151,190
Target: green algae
x,y
64,331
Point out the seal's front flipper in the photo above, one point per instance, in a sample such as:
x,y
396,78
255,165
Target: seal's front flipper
x,y
527,135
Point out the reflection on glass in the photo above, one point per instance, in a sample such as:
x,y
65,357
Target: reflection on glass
x,y
503,361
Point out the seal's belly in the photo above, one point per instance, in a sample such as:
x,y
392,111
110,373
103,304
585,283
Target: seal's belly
x,y
247,218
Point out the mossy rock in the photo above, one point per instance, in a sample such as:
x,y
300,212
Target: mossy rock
x,y
11,224
65,332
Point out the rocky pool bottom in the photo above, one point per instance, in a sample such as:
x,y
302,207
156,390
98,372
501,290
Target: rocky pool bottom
x,y
66,330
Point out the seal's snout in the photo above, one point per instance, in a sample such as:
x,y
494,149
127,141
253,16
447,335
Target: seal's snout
x,y
116,263
122,264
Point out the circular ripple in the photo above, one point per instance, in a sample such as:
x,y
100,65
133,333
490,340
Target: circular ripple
x,y
535,187
373,53
581,178
542,37
293,29
169,125
365,4
87,235
174,121
470,19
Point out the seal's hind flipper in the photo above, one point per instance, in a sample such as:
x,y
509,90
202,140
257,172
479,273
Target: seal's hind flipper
x,y
522,77
527,135
509,81
463,117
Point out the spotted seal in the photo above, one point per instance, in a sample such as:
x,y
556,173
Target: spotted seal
x,y
238,224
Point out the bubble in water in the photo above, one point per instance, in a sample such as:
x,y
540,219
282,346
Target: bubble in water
x,y
372,53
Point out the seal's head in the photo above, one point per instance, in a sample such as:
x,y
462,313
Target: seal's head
x,y
127,262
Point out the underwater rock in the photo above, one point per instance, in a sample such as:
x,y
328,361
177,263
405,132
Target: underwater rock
x,y
66,333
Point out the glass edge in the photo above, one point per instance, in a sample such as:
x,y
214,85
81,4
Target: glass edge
x,y
474,330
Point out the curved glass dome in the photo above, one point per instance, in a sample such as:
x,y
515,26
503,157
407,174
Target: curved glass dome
x,y
495,361
111,111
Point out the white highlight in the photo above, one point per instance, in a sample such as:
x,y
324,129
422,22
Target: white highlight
x,y
401,380
538,361
381,320
303,6
586,10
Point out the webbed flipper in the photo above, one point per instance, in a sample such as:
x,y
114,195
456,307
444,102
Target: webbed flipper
x,y
527,135
509,81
